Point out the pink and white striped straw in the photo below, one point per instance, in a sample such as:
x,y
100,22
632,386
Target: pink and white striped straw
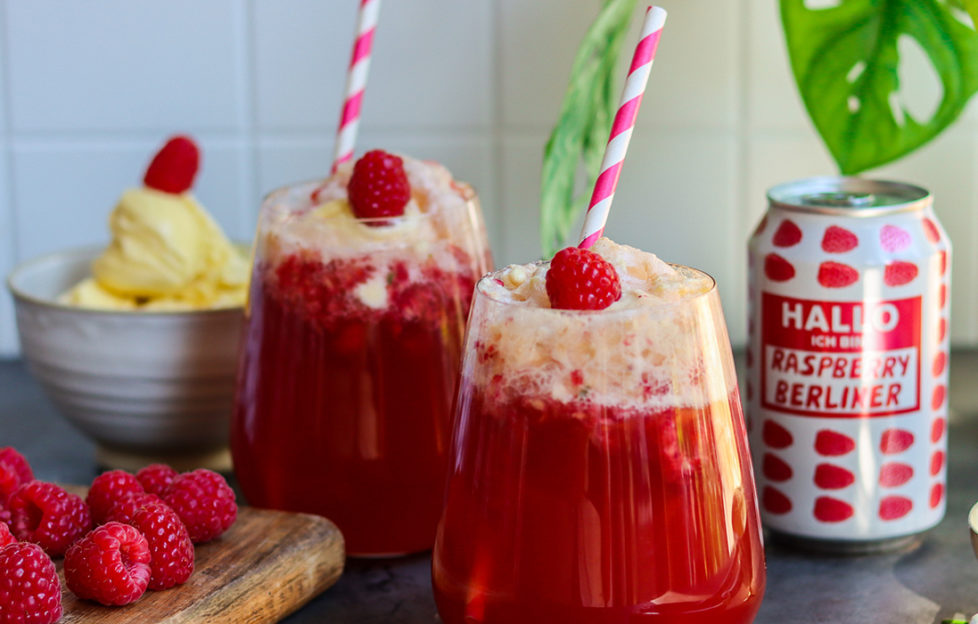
x,y
356,81
621,128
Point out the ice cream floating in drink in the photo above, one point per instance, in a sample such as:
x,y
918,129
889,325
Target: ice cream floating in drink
x,y
599,469
352,346
360,291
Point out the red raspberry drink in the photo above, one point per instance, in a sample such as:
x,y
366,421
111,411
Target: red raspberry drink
x,y
848,363
599,467
352,348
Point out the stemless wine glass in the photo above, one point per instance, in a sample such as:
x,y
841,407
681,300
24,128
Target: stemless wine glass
x,y
350,358
599,470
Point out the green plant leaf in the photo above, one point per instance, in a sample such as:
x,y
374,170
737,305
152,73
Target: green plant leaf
x,y
579,137
971,6
852,109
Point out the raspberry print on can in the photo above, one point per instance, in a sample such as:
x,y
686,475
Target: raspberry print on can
x,y
847,363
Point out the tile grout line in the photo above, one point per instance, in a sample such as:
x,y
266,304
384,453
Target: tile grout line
x,y
248,213
743,168
14,252
496,125
971,340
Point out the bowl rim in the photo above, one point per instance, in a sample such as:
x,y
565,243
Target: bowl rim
x,y
73,253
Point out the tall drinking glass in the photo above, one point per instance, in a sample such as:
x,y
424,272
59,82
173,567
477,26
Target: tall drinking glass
x,y
599,470
351,353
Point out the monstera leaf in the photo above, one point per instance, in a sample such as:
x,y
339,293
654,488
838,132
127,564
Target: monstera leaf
x,y
845,60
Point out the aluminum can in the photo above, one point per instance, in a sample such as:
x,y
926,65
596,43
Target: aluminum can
x,y
849,287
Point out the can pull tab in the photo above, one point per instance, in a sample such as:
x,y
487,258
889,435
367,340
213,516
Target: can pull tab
x,y
842,199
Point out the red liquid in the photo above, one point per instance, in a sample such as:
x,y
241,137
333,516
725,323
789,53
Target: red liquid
x,y
344,410
577,514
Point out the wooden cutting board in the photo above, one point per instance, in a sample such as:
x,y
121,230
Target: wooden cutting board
x,y
267,565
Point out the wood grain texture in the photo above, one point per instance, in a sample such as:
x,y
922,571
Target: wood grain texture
x,y
267,565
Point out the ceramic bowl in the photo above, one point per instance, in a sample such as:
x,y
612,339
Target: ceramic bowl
x,y
145,386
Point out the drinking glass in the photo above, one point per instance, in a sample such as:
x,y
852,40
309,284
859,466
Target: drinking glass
x,y
599,469
349,363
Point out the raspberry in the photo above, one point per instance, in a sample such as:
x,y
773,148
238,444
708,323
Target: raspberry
x,y
29,589
378,187
580,279
155,478
45,514
204,502
16,461
169,543
110,565
5,536
108,489
174,167
14,472
9,481
419,302
125,510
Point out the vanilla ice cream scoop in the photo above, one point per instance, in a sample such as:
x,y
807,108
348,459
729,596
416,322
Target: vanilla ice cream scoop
x,y
166,252
161,244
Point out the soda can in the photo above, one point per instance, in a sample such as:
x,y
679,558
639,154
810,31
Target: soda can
x,y
848,363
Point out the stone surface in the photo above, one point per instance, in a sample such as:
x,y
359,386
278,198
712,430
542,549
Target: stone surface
x,y
937,580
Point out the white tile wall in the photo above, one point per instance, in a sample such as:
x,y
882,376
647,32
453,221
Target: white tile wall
x,y
88,90
519,185
120,66
8,340
302,49
65,190
8,334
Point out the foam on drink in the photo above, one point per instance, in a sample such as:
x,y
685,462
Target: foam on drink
x,y
426,234
529,348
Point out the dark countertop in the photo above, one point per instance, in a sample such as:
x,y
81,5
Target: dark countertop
x,y
937,580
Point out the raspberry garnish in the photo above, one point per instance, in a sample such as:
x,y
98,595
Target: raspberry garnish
x,y
174,167
125,510
204,502
155,478
580,279
45,514
108,489
5,536
378,186
173,552
29,589
14,472
110,565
